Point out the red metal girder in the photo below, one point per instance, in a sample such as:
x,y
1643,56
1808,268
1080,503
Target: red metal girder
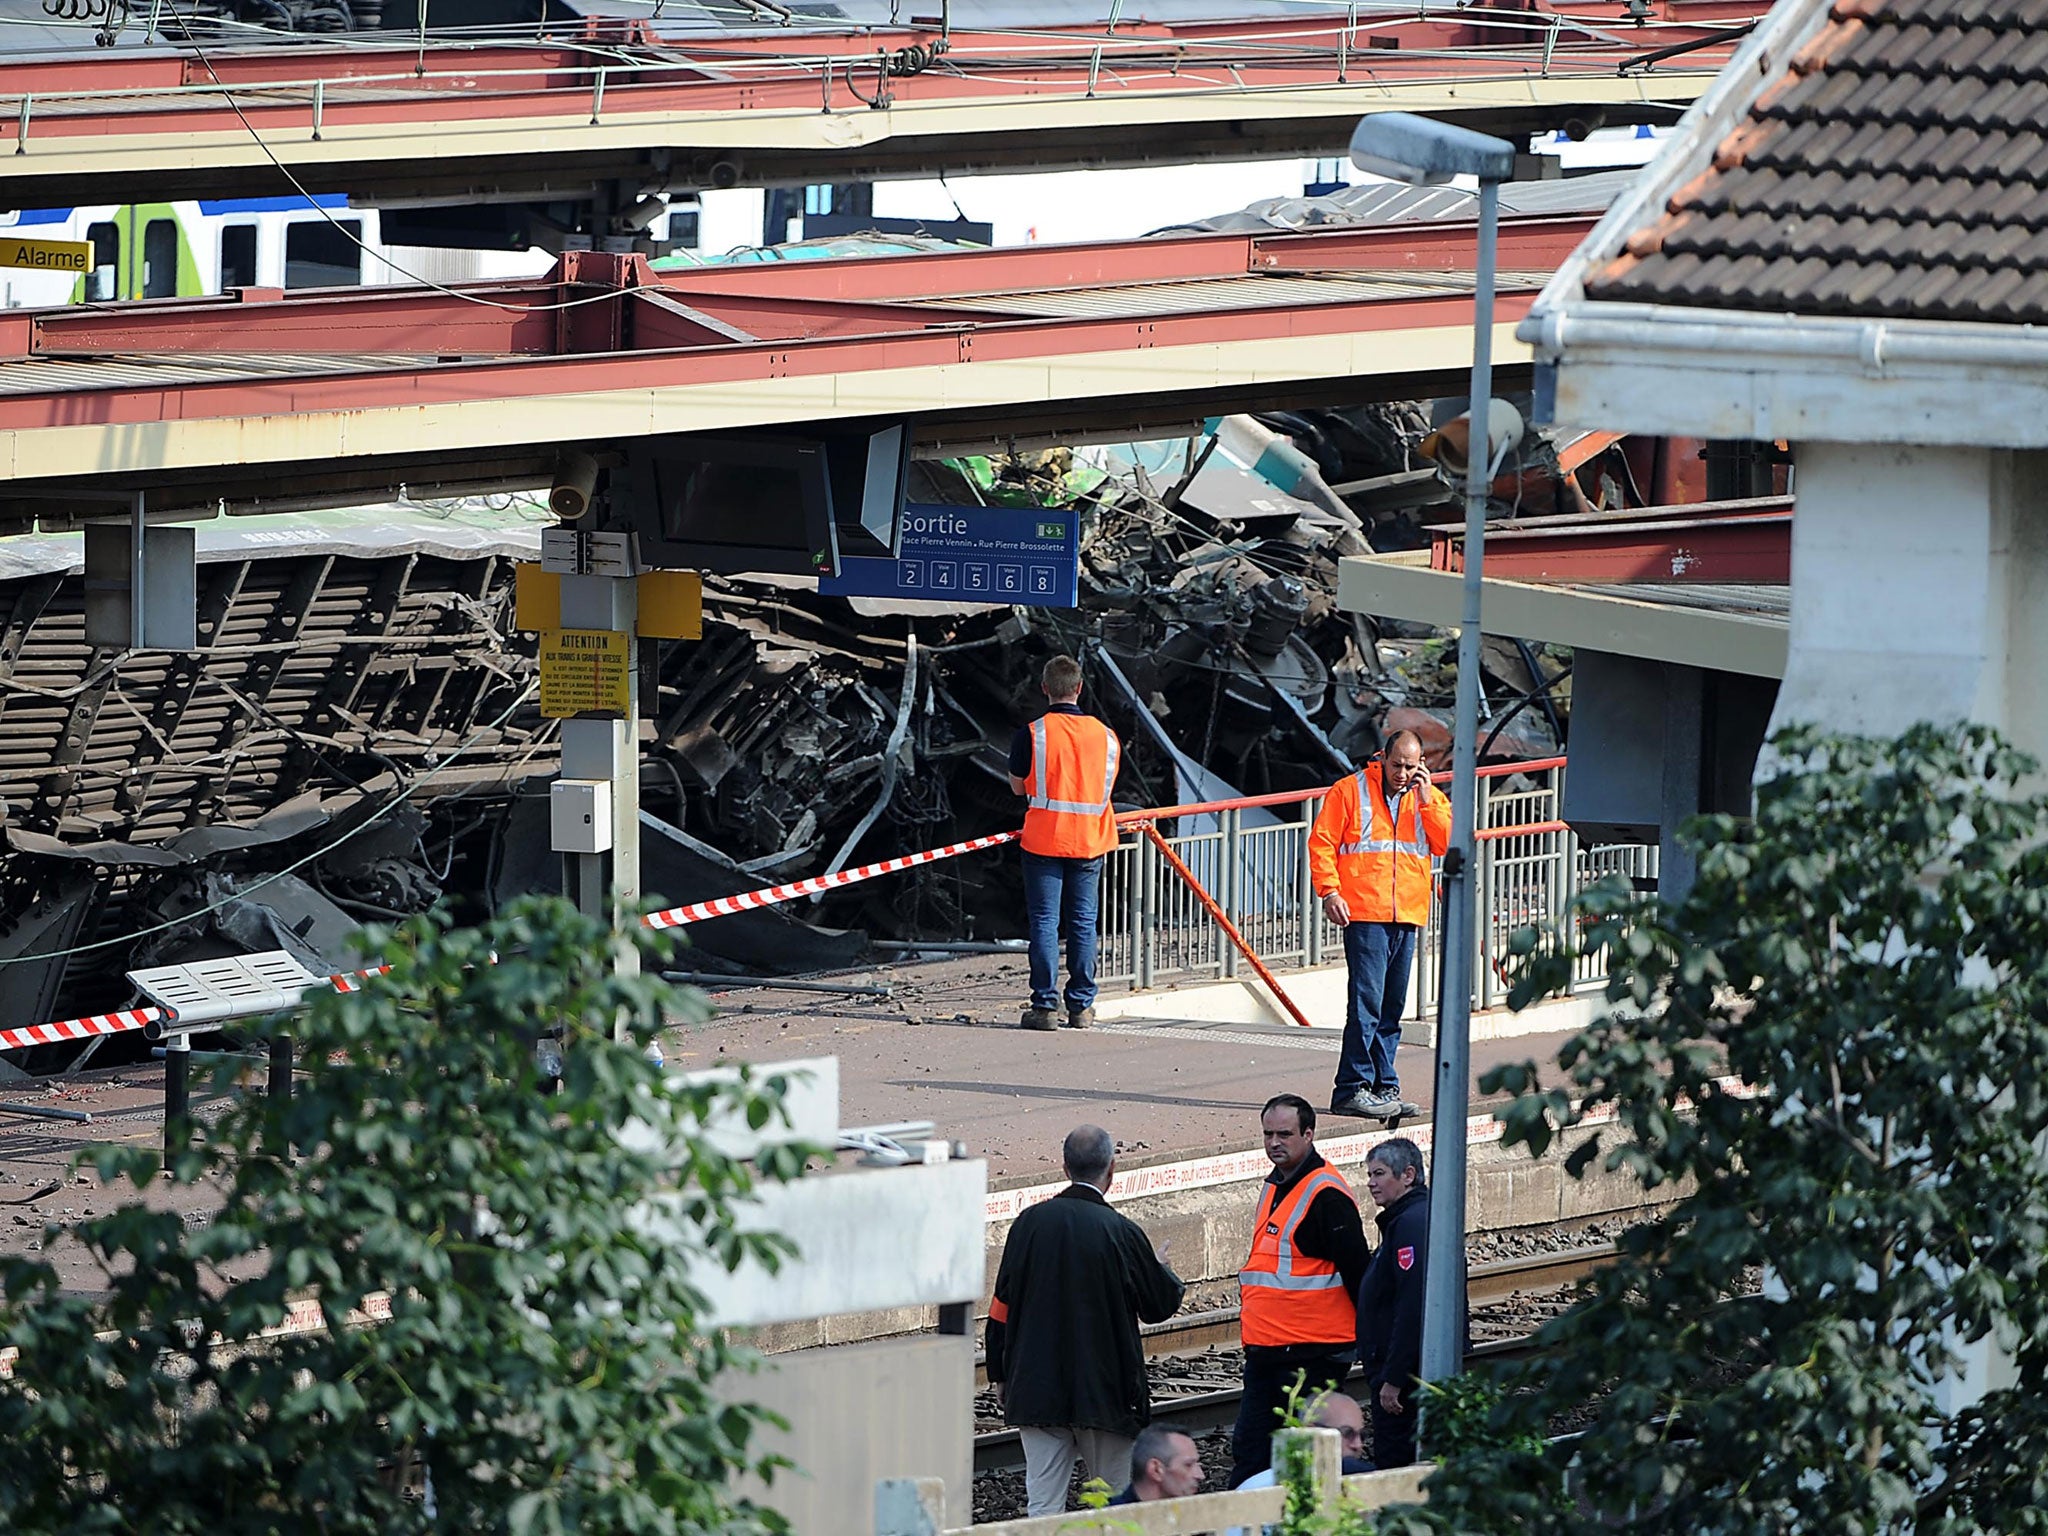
x,y
1426,245
773,73
735,363
499,319
1526,244
605,43
769,301
1749,541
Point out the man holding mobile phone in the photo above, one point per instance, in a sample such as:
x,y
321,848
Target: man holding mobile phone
x,y
1369,856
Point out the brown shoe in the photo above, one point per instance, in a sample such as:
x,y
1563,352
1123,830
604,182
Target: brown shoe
x,y
1081,1018
1039,1018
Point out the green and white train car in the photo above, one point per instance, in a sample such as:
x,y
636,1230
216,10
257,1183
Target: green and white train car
x,y
169,250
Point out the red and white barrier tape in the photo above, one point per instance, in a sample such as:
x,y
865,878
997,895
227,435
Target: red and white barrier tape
x,y
352,981
747,901
116,1023
673,917
123,1020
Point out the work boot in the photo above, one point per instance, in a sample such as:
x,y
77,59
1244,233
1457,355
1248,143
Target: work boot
x,y
1039,1018
1081,1018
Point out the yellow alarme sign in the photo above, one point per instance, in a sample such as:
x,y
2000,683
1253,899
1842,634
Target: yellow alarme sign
x,y
584,671
46,255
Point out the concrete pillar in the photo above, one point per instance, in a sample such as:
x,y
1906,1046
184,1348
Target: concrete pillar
x,y
1919,591
1684,690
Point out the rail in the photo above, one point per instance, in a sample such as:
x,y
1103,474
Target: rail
x,y
1254,866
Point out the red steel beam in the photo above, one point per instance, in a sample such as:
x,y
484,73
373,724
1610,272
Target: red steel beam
x,y
383,386
1748,541
779,301
103,94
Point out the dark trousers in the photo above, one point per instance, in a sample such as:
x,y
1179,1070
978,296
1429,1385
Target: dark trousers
x,y
1268,1373
1377,959
1060,902
1393,1434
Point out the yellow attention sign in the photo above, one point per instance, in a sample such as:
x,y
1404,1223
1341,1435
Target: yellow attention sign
x,y
584,671
46,255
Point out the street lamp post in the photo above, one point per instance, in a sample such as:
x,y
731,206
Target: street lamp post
x,y
1422,152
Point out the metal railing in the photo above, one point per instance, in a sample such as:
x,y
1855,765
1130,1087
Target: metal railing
x,y
1530,866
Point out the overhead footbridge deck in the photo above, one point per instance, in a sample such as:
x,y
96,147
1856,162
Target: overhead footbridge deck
x,y
261,401
652,105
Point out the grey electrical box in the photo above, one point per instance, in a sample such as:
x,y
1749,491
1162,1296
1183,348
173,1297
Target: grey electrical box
x,y
146,598
580,815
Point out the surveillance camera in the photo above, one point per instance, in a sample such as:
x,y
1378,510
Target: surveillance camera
x,y
575,485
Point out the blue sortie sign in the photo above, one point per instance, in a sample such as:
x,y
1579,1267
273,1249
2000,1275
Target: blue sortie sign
x,y
1029,556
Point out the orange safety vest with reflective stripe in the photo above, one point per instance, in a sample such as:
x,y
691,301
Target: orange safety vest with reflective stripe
x,y
1378,859
1066,798
1284,1296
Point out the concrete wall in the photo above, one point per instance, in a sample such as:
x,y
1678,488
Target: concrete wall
x,y
891,1408
1208,1231
1919,590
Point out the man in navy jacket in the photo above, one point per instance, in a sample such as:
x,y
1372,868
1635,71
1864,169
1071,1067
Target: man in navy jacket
x,y
1390,1298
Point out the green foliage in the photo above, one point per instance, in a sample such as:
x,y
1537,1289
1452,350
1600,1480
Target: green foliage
x,y
1832,1054
540,1369
1294,1470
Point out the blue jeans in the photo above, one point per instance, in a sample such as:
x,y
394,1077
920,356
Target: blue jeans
x,y
1060,902
1377,959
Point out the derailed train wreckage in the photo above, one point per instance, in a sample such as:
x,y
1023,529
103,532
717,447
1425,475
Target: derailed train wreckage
x,y
357,736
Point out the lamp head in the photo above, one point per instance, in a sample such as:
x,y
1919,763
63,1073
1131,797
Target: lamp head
x,y
1427,153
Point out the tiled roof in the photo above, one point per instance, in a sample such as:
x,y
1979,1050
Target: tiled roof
x,y
1899,170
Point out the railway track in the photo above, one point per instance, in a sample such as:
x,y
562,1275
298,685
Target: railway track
x,y
1199,1411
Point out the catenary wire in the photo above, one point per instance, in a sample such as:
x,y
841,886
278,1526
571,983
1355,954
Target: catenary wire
x,y
342,229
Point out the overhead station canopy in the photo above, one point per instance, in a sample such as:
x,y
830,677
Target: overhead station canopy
x,y
262,402
681,97
1706,585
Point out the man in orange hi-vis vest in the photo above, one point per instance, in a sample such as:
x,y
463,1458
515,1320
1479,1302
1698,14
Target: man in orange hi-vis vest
x,y
1064,765
1296,1316
1369,859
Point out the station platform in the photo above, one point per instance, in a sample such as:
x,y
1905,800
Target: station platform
x,y
944,1046
940,1044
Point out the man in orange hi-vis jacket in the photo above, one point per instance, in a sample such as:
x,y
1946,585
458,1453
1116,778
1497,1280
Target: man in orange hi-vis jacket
x,y
1064,765
1369,858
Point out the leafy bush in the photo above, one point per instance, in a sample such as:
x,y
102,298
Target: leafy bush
x,y
1832,1054
533,1361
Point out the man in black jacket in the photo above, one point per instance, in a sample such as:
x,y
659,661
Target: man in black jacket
x,y
1390,1298
1063,1351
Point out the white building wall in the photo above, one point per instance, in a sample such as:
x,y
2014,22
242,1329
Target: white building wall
x,y
1918,583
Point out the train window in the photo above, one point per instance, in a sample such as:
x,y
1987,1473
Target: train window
x,y
103,281
318,254
160,259
237,256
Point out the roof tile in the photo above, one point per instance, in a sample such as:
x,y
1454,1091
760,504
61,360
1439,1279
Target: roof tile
x,y
2031,298
1902,170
